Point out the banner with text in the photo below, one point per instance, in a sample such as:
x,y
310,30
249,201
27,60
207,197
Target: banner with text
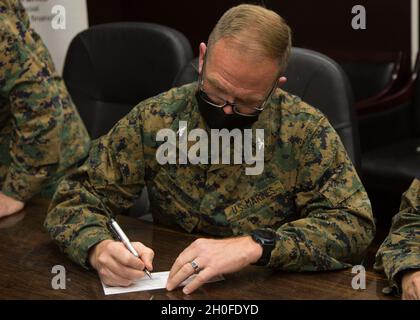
x,y
57,22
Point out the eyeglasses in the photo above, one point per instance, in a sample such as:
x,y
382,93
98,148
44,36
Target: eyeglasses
x,y
242,109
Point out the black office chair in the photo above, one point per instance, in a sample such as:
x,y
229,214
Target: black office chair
x,y
390,142
372,77
319,81
110,68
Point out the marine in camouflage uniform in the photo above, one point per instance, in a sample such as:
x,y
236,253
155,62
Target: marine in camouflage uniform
x,y
309,192
401,249
41,134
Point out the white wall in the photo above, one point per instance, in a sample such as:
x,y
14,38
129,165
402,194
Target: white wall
x,y
57,29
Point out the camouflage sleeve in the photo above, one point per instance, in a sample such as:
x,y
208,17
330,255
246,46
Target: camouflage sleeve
x,y
336,224
25,81
401,249
109,182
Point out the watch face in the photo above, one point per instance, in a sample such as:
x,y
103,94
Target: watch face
x,y
265,237
265,234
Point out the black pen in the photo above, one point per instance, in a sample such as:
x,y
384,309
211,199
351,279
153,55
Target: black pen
x,y
124,239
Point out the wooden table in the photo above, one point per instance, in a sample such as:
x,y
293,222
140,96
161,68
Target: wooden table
x,y
27,256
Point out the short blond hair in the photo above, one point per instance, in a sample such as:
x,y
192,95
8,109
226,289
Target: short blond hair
x,y
257,30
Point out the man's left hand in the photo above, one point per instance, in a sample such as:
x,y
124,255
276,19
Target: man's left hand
x,y
411,285
213,258
9,206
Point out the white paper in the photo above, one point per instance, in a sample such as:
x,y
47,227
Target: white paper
x,y
158,281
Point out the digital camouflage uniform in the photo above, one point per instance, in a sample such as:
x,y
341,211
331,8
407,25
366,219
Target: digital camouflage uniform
x,y
309,192
41,133
401,249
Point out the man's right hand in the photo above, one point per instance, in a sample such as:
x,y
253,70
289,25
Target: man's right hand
x,y
9,206
116,265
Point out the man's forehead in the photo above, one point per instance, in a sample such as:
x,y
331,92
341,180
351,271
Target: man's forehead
x,y
227,78
230,61
241,52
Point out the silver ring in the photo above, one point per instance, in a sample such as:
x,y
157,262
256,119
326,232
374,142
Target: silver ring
x,y
195,266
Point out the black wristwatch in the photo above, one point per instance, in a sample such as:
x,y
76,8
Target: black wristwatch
x,y
267,241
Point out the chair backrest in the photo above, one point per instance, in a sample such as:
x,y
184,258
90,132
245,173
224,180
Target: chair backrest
x,y
415,77
319,81
393,118
367,79
110,68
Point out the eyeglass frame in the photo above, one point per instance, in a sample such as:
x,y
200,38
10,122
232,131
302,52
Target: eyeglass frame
x,y
207,99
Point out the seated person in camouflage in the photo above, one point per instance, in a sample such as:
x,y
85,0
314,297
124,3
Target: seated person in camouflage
x,y
308,205
41,133
399,255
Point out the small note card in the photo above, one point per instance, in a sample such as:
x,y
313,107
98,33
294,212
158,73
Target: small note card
x,y
158,281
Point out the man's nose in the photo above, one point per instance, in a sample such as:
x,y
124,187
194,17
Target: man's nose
x,y
228,109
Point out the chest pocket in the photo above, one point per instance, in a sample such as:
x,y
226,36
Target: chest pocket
x,y
169,201
267,208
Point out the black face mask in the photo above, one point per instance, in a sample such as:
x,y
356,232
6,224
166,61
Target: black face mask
x,y
216,118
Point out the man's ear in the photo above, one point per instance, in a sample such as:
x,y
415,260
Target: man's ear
x,y
282,81
202,50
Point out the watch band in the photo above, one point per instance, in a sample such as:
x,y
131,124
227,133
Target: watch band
x,y
267,241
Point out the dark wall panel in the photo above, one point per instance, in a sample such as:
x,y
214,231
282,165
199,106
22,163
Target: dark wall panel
x,y
193,18
322,25
325,25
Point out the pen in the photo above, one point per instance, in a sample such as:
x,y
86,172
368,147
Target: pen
x,y
114,226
